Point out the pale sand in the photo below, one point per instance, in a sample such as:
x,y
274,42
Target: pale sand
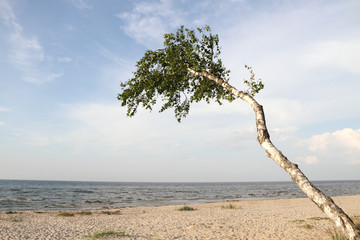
x,y
253,219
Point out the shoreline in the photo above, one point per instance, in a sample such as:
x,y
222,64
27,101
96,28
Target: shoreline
x,y
192,202
282,218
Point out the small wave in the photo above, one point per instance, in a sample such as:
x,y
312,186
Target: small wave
x,y
21,199
83,191
15,190
30,199
184,191
61,206
92,202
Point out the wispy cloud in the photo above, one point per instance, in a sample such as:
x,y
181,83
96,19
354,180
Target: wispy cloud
x,y
115,69
149,20
112,57
6,13
26,53
81,4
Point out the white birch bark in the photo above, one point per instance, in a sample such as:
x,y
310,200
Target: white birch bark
x,y
326,204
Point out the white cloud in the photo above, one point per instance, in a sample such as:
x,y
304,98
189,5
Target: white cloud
x,y
283,134
2,123
26,54
283,112
284,130
148,21
347,138
278,43
236,107
81,4
319,142
100,125
343,55
6,13
108,125
342,145
309,159
241,138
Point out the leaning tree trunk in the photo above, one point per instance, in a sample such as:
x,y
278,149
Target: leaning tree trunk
x,y
326,204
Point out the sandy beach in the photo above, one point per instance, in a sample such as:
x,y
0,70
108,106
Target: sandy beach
x,y
252,219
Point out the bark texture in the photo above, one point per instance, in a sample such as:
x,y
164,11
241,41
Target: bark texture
x,y
326,204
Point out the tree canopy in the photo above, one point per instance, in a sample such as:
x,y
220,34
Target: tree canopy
x,y
164,74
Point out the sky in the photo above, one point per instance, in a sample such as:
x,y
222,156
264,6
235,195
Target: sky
x,y
62,62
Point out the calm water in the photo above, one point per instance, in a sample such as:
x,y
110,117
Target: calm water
x,y
61,195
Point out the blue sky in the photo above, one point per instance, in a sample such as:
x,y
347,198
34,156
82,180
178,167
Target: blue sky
x,y
61,64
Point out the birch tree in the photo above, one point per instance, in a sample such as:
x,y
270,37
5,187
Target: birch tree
x,y
188,69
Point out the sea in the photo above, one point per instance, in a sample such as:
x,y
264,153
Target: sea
x,y
72,195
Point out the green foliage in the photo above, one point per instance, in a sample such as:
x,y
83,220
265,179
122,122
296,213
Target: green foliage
x,y
39,212
16,220
108,233
66,214
84,213
186,208
117,212
254,85
319,218
307,226
297,221
11,212
336,235
163,73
